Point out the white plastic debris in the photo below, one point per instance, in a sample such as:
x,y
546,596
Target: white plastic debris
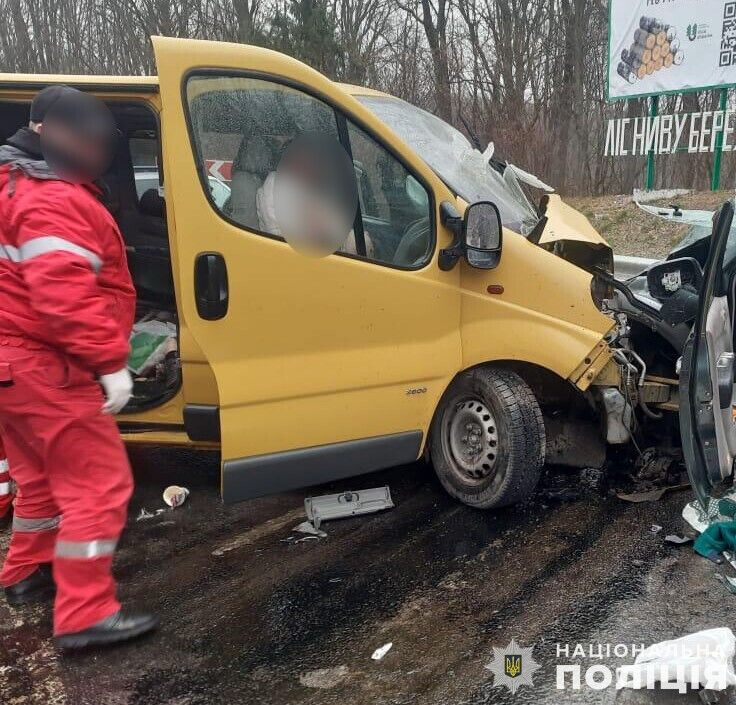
x,y
379,653
347,504
677,539
145,514
655,528
701,659
175,496
306,527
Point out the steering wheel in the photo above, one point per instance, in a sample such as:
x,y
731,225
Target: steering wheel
x,y
416,237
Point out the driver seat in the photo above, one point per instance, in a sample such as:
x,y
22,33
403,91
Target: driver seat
x,y
255,160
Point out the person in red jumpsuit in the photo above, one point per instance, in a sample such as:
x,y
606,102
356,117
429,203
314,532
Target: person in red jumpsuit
x,y
67,306
6,487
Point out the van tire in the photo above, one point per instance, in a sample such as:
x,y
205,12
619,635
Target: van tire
x,y
487,440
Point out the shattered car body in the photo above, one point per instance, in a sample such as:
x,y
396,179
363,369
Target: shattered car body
x,y
475,176
681,316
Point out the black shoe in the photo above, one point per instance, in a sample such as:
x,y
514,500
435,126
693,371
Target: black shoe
x,y
117,627
37,587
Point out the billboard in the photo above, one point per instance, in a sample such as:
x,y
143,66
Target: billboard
x,y
660,47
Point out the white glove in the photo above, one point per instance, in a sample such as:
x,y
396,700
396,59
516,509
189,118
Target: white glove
x,y
118,387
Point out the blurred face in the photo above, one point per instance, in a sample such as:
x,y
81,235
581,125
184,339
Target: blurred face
x,y
72,154
78,136
315,199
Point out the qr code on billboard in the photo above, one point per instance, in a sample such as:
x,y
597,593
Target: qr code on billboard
x,y
728,37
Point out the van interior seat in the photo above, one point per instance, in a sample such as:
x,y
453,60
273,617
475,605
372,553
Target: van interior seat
x,y
153,204
143,225
254,161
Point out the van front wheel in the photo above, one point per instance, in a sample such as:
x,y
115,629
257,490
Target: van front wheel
x,y
487,440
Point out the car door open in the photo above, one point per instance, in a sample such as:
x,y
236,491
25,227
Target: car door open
x,y
707,375
315,358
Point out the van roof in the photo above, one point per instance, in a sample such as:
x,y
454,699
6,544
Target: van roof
x,y
147,84
36,81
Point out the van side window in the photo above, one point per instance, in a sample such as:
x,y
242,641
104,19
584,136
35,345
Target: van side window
x,y
241,127
395,207
144,155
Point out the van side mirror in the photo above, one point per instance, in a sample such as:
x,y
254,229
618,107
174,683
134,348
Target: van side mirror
x,y
665,279
478,236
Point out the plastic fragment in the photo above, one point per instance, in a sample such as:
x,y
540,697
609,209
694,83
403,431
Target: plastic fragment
x,y
677,540
347,504
306,527
380,652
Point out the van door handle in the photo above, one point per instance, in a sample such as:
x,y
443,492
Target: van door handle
x,y
211,286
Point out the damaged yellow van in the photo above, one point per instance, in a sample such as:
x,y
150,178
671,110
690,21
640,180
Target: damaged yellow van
x,y
461,333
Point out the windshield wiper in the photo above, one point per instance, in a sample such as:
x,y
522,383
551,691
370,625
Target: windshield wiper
x,y
473,137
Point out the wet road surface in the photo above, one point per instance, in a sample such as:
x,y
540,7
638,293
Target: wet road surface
x,y
250,618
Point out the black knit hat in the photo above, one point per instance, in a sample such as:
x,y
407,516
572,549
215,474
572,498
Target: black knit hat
x,y
82,112
45,99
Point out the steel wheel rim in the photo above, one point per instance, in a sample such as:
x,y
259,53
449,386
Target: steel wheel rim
x,y
472,439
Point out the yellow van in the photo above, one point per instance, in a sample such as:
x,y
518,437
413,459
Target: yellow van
x,y
456,335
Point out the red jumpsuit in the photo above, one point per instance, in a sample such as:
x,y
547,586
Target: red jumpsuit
x,y
6,489
67,306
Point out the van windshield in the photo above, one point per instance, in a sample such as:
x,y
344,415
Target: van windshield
x,y
454,159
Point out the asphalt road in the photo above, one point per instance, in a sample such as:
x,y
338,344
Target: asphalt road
x,y
250,618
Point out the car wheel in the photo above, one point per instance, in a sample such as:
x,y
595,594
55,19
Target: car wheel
x,y
487,441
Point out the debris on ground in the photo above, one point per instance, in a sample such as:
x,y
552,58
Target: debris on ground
x,y
175,496
293,539
677,539
306,527
324,678
656,472
380,652
690,660
347,504
655,528
145,514
728,583
651,495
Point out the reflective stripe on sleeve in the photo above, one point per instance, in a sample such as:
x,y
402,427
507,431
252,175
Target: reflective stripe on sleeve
x,y
49,243
85,549
4,489
4,465
24,525
9,252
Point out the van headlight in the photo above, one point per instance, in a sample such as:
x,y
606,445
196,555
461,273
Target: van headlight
x,y
600,291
